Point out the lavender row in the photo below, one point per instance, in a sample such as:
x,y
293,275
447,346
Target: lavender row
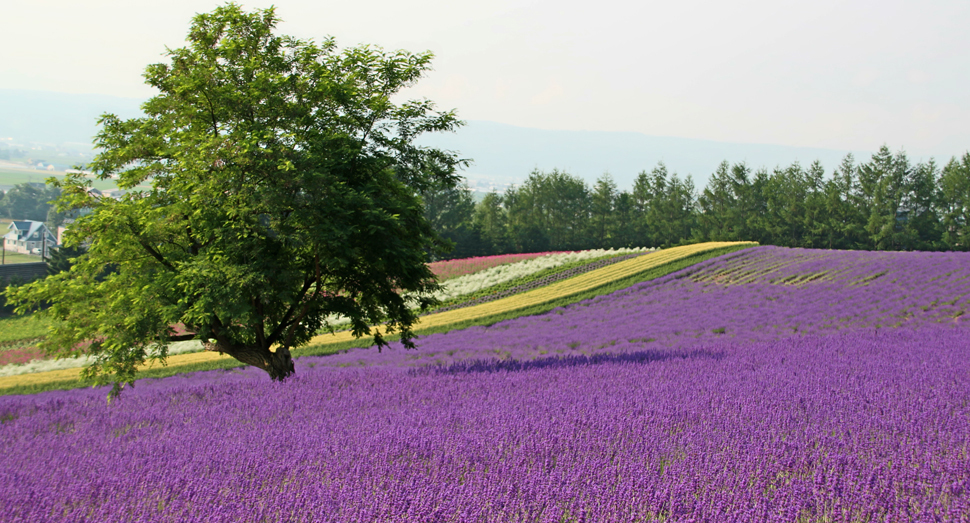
x,y
855,426
801,266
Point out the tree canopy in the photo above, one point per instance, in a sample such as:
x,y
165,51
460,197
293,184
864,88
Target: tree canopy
x,y
285,188
29,201
885,203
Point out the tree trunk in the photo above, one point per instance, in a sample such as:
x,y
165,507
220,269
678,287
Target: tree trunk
x,y
279,364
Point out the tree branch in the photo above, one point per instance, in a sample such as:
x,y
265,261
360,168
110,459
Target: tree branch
x,y
285,322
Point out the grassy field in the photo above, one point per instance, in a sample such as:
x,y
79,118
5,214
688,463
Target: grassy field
x,y
21,327
10,176
15,257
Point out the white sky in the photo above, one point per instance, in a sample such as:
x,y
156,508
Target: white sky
x,y
848,75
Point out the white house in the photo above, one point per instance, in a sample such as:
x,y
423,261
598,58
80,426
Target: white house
x,y
29,237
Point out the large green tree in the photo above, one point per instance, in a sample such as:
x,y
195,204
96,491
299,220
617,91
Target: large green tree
x,y
285,188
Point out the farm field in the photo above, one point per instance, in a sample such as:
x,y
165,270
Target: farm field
x,y
767,384
537,296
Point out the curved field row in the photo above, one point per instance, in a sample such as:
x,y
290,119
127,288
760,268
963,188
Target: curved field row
x,y
530,282
449,269
458,318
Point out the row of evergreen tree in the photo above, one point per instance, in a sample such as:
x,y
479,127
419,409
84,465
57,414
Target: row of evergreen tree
x,y
886,203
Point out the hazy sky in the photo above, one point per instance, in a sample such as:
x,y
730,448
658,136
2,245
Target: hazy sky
x,y
847,75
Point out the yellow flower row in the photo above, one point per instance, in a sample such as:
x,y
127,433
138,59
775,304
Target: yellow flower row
x,y
582,283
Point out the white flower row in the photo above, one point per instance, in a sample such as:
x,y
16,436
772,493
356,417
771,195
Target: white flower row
x,y
30,367
472,283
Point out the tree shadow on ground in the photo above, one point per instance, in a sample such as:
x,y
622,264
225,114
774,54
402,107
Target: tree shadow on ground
x,y
555,362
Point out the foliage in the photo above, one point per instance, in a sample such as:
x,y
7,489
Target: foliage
x,y
62,258
284,188
28,201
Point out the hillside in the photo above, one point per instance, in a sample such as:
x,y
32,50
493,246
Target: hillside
x,y
767,384
549,293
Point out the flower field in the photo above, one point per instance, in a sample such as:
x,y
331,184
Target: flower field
x,y
497,275
707,303
67,370
448,269
19,336
534,281
769,384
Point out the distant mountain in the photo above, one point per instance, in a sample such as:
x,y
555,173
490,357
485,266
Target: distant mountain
x,y
505,153
502,153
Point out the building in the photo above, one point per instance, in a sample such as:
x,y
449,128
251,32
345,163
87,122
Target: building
x,y
29,237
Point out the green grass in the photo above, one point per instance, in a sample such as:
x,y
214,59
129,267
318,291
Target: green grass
x,y
22,327
10,258
17,176
335,348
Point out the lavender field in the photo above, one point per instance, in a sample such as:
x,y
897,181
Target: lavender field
x,y
757,294
767,385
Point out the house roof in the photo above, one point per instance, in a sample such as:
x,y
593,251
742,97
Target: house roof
x,y
25,228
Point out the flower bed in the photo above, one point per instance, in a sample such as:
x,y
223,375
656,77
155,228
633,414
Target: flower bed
x,y
690,306
35,373
533,281
472,283
448,269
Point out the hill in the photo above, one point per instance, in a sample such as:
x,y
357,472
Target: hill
x,y
506,154
502,153
769,384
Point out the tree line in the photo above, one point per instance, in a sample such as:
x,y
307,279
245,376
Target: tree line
x,y
885,203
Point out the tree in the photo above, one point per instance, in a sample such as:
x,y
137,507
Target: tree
x,y
548,211
922,220
284,188
954,200
62,258
28,201
450,209
665,207
843,225
603,219
491,221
